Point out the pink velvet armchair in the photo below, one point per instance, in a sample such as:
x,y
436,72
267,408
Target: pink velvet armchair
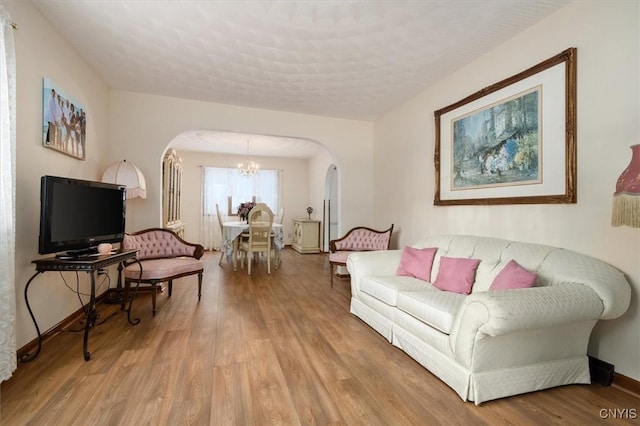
x,y
164,257
359,238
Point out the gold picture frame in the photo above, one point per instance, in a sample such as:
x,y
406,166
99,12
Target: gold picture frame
x,y
513,142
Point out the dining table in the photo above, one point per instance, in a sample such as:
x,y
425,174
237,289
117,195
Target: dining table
x,y
231,232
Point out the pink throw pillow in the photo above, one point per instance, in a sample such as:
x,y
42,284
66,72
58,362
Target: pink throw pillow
x,y
513,276
416,263
456,274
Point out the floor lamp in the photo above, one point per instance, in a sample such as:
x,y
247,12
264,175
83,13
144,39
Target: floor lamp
x,y
124,173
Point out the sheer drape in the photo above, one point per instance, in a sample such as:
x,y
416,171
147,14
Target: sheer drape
x,y
218,184
211,195
8,362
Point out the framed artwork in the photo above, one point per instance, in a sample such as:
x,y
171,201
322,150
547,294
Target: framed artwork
x,y
513,142
64,121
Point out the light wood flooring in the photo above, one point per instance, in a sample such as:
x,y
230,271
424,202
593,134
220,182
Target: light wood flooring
x,y
279,349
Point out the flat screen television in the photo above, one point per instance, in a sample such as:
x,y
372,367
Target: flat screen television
x,y
78,215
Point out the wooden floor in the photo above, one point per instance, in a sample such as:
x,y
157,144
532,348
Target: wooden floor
x,y
261,350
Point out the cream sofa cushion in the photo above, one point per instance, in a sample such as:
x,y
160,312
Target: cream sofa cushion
x,y
386,289
434,307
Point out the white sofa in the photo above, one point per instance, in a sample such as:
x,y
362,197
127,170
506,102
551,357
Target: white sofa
x,y
491,344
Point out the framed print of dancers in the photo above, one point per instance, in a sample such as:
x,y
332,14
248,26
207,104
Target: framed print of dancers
x,y
64,121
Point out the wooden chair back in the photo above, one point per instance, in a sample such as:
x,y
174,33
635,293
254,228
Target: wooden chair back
x,y
260,223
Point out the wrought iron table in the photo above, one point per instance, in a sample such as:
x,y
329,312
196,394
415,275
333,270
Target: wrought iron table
x,y
87,263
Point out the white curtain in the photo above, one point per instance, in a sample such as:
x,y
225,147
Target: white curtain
x,y
8,360
211,237
221,184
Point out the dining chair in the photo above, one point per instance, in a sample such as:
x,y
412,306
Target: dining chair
x,y
280,220
245,235
222,253
259,241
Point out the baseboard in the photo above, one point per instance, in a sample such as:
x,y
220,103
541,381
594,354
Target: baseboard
x,y
626,384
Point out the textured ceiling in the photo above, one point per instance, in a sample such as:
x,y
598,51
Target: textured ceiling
x,y
349,59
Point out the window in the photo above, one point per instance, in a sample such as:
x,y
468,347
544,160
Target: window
x,y
225,187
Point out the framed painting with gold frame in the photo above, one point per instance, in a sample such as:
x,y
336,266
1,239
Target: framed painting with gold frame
x,y
513,142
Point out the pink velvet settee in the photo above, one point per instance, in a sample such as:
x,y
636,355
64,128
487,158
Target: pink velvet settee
x,y
164,257
359,238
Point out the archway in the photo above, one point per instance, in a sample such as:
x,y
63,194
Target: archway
x,y
303,162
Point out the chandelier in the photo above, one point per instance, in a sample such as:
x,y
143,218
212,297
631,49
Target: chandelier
x,y
248,167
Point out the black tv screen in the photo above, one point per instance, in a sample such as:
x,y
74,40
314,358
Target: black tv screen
x,y
77,215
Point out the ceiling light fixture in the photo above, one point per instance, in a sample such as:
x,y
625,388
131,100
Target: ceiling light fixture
x,y
248,167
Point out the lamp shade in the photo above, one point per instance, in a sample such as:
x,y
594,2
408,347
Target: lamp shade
x,y
626,199
124,173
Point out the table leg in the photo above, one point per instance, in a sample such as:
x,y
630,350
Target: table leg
x,y
135,321
91,317
28,357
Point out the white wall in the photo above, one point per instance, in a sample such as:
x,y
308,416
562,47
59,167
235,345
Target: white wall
x,y
295,186
40,53
607,37
143,125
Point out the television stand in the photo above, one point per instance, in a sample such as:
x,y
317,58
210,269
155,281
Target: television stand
x,y
89,264
78,254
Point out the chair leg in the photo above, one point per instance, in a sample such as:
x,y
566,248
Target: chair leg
x,y
199,285
331,271
170,287
249,261
221,257
268,261
154,292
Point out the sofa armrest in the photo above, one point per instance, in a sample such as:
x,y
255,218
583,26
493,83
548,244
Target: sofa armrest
x,y
494,313
371,263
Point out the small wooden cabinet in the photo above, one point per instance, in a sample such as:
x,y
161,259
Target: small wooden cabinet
x,y
306,235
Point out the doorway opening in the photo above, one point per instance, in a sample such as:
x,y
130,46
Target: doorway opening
x,y
331,207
